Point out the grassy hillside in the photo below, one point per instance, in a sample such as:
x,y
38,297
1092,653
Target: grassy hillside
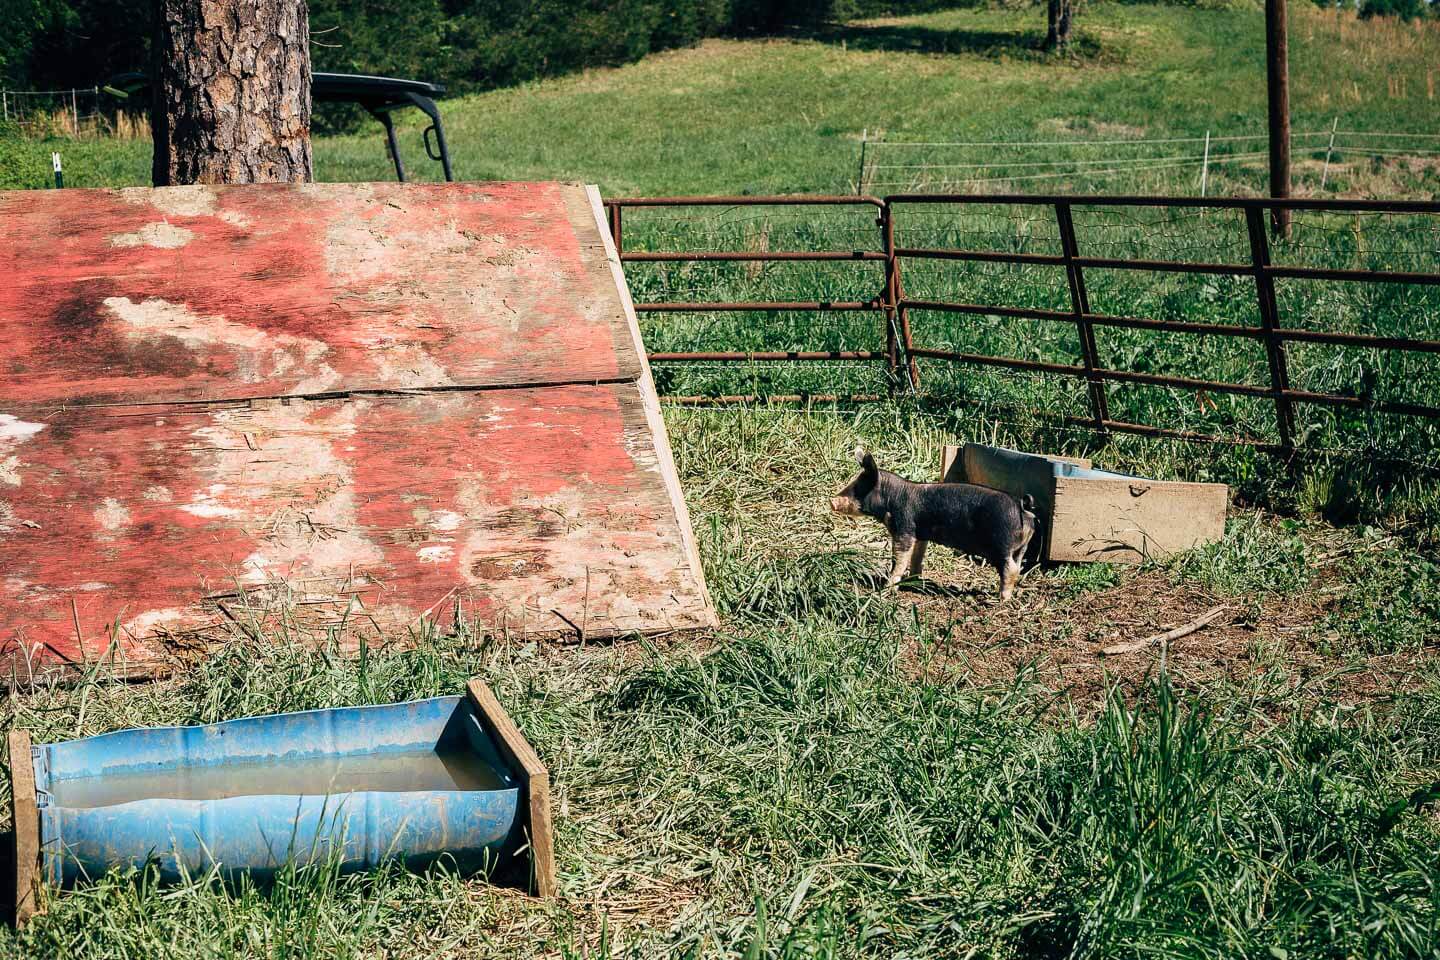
x,y
787,115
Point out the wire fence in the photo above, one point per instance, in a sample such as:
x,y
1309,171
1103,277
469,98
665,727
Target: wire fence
x,y
1193,162
76,113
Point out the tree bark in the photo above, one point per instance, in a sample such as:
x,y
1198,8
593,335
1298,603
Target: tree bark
x,y
231,92
1061,13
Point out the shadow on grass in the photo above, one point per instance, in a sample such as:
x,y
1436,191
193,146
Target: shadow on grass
x,y
7,877
907,38
928,588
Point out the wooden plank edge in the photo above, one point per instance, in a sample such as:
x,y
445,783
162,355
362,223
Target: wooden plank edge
x,y
650,400
949,456
21,675
25,819
517,750
630,364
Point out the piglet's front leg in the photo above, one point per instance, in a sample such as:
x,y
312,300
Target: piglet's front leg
x,y
903,548
917,558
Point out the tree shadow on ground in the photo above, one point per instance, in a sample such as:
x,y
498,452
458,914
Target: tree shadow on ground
x,y
1025,44
908,38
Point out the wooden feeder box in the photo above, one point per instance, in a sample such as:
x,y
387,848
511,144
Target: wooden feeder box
x,y
1089,515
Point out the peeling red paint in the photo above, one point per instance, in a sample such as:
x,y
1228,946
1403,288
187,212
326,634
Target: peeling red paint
x,y
186,499
360,286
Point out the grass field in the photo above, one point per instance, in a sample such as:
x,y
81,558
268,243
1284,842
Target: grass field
x,y
787,115
924,773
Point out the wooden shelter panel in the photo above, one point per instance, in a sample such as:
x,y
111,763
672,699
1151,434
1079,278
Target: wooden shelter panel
x,y
536,510
219,293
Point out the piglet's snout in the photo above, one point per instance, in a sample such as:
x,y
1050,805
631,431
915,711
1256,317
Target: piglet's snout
x,y
846,505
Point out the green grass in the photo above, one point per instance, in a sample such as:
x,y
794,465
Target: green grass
x,y
822,783
786,115
842,773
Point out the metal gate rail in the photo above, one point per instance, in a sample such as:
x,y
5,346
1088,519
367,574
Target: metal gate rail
x,y
894,308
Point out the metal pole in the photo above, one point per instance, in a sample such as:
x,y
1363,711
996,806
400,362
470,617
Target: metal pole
x,y
891,305
1324,173
860,177
898,342
1205,167
1269,321
391,143
1080,301
5,104
1277,56
59,176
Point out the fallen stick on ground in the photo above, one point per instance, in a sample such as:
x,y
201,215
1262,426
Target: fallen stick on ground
x,y
1199,623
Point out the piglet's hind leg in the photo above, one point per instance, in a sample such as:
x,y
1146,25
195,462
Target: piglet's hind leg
x,y
1009,578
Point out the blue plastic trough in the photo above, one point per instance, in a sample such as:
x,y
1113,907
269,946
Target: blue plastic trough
x,y
444,778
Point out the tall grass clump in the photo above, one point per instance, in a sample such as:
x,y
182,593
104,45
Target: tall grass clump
x,y
909,819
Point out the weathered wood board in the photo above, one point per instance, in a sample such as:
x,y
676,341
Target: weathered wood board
x,y
535,776
25,824
223,293
1100,517
349,438
1128,521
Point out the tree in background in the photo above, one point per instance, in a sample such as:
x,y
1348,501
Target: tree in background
x,y
1061,16
1406,10
231,92
20,22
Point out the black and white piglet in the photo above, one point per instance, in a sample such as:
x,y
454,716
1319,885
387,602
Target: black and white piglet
x,y
969,519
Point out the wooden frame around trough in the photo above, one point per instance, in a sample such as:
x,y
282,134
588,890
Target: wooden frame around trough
x,y
1087,519
511,743
25,821
534,787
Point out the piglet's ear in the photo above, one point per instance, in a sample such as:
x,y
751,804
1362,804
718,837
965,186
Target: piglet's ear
x,y
859,454
869,465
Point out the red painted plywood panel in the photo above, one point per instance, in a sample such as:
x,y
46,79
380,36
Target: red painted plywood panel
x,y
326,410
537,510
206,293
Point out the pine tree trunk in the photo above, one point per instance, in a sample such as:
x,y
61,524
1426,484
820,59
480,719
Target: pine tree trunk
x,y
1057,37
231,92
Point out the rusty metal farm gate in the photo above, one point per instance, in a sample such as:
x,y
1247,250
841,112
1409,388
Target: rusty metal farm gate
x,y
1071,240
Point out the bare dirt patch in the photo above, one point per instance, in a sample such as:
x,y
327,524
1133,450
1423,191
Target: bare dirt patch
x,y
1058,640
1092,129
